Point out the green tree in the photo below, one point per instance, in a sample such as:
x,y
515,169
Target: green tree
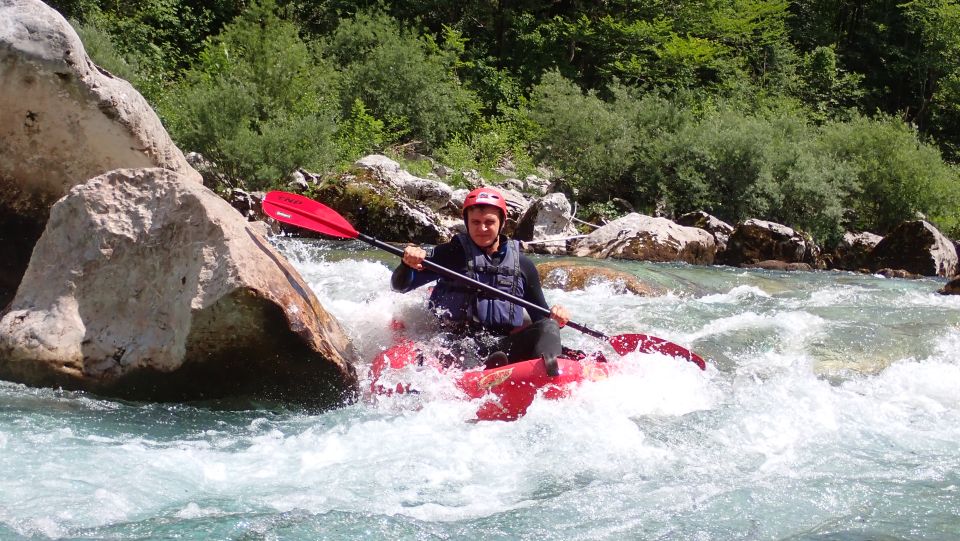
x,y
936,23
406,80
258,103
894,175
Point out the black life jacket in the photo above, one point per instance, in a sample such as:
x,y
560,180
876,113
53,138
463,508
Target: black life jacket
x,y
457,302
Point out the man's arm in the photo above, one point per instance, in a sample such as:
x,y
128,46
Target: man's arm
x,y
533,292
406,278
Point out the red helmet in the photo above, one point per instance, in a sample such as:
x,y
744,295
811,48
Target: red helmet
x,y
485,196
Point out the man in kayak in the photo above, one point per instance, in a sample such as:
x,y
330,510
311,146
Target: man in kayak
x,y
494,326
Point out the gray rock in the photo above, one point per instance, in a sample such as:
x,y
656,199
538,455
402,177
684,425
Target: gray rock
x,y
535,185
853,251
146,285
545,219
434,194
62,121
640,237
720,230
916,247
754,241
378,162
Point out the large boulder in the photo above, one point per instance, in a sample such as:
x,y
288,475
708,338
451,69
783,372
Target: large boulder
x,y
146,285
62,121
379,208
434,194
546,219
640,237
720,230
916,247
853,251
754,241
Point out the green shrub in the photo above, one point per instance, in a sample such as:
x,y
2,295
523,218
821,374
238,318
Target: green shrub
x,y
894,175
258,103
739,165
458,154
106,54
587,139
720,165
406,80
491,145
360,133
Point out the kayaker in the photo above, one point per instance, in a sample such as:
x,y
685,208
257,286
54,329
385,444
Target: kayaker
x,y
492,328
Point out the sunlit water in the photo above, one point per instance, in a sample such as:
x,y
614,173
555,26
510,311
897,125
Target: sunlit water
x,y
830,410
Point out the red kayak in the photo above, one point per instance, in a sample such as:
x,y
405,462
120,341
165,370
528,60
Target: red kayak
x,y
508,390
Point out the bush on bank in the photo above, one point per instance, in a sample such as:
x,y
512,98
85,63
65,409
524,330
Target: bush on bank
x,y
747,117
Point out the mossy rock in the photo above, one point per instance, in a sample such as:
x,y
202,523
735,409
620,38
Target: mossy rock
x,y
570,277
378,209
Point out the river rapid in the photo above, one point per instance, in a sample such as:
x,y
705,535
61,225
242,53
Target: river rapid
x,y
830,409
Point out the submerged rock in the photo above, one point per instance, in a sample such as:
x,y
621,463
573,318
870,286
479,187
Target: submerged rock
x,y
952,287
146,285
570,277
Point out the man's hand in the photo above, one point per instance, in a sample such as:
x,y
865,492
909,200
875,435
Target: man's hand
x,y
559,314
413,257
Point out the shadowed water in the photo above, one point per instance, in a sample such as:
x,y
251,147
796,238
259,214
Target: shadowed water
x,y
830,410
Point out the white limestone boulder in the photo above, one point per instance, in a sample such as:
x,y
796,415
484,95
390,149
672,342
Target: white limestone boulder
x,y
62,122
546,225
645,238
146,285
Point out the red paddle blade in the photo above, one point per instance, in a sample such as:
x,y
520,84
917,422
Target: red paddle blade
x,y
306,213
629,343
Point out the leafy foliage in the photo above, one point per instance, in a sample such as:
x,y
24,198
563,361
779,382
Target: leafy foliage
x,y
257,103
407,80
895,176
818,114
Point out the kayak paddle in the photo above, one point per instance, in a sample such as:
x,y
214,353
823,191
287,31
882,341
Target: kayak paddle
x,y
309,214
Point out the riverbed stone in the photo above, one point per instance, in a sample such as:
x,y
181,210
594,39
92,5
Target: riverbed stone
x,y
916,247
645,238
63,120
720,230
434,194
754,241
777,265
146,285
377,207
853,251
952,287
577,276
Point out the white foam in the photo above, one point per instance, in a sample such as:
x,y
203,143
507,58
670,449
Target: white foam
x,y
738,294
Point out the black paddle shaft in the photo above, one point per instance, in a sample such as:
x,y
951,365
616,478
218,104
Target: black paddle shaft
x,y
443,271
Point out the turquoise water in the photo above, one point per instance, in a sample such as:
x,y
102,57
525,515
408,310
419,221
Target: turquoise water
x,y
830,410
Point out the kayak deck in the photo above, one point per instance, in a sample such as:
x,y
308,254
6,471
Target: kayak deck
x,y
506,391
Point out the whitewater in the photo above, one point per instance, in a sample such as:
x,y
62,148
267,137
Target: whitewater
x,y
830,409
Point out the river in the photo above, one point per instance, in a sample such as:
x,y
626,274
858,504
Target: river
x,y
830,410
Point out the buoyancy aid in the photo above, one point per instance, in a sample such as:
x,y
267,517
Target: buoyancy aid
x,y
459,303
